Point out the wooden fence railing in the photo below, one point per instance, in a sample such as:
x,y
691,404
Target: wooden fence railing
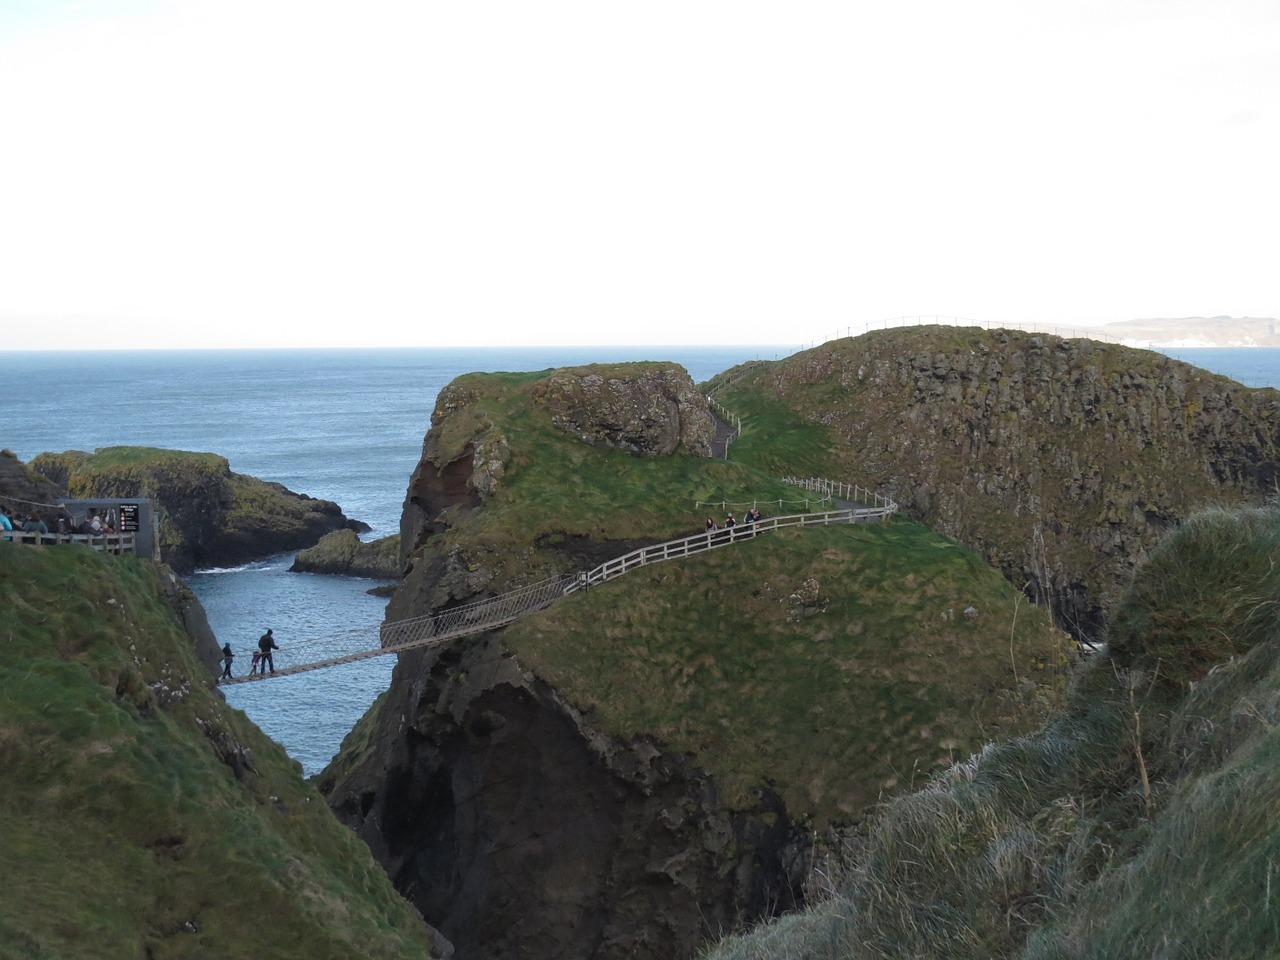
x,y
106,542
840,491
714,539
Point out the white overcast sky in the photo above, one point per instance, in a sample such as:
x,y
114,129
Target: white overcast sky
x,y
277,173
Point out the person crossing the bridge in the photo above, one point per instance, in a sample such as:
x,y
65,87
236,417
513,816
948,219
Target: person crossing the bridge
x,y
227,657
266,643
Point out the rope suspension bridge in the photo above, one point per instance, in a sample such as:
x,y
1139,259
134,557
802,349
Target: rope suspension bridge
x,y
418,633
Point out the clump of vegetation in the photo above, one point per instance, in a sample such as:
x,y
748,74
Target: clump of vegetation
x,y
139,815
1208,594
1140,822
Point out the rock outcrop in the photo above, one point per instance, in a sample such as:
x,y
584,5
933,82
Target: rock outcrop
x,y
345,554
649,411
1061,461
209,516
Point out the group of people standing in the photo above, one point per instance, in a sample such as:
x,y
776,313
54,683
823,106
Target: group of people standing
x,y
262,659
62,525
749,518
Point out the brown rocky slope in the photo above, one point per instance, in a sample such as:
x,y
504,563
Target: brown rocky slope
x,y
1061,461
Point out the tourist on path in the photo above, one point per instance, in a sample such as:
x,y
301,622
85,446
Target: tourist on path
x,y
227,657
266,643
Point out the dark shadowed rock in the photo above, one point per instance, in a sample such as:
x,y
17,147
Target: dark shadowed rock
x,y
536,836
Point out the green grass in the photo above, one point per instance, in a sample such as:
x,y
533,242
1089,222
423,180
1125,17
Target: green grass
x,y
141,816
883,669
1050,847
1209,593
556,486
778,440
116,458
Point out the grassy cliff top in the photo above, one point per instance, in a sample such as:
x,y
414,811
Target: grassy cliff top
x,y
139,815
107,458
828,664
549,484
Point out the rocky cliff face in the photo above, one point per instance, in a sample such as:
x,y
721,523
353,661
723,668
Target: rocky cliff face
x,y
1062,461
345,554
527,834
21,487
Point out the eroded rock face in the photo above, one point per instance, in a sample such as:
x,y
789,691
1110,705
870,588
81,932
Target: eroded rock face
x,y
1061,461
522,833
650,412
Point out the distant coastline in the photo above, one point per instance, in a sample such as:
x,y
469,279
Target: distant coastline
x,y
1195,332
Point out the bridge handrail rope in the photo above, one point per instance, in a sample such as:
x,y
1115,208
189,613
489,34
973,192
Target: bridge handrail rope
x,y
477,616
34,503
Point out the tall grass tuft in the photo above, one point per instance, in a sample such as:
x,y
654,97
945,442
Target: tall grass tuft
x,y
1208,592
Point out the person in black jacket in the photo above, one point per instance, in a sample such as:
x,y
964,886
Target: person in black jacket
x,y
266,643
227,657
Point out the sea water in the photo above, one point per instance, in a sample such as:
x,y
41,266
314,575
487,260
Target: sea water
x,y
343,425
